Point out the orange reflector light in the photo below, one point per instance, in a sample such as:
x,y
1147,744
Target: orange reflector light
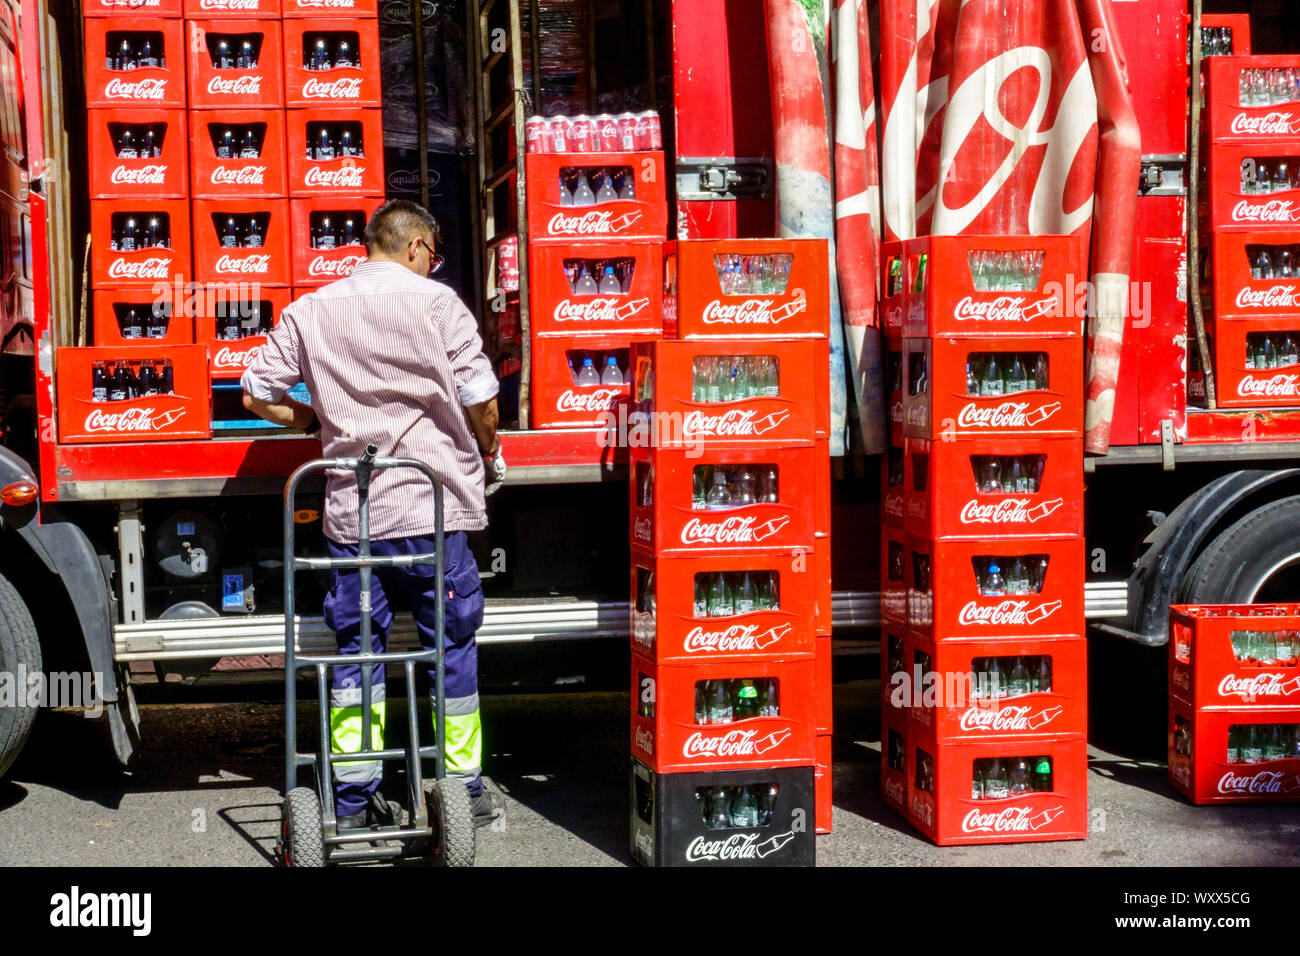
x,y
19,493
306,516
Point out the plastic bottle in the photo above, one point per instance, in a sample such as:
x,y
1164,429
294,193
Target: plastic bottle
x,y
587,375
605,192
609,284
612,375
993,585
582,194
718,496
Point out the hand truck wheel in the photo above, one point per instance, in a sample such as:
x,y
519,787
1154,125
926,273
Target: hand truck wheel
x,y
302,842
451,816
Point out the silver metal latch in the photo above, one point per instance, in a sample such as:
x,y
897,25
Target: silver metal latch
x,y
724,178
1163,175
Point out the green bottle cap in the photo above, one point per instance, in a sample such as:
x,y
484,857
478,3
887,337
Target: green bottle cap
x,y
747,691
1044,766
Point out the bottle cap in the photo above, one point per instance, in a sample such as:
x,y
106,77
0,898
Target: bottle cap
x,y
587,360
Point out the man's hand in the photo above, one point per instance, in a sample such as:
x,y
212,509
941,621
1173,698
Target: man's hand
x,y
286,412
494,471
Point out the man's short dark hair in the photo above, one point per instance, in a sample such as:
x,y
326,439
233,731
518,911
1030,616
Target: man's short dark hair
x,y
394,224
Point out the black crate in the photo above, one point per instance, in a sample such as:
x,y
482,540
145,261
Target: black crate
x,y
668,821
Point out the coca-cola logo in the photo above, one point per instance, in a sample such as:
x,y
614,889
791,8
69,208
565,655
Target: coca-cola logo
x,y
150,89
732,743
1010,719
1275,386
732,530
592,223
738,423
737,846
1004,308
1270,210
893,790
155,267
344,88
597,400
1009,820
645,740
1277,297
1258,685
1275,123
1007,613
249,85
341,177
230,4
130,420
749,312
228,358
735,639
155,174
258,264
1008,511
339,267
1005,415
1264,781
328,5
238,176
591,310
642,529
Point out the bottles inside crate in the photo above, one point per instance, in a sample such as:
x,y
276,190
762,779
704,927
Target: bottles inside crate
x,y
645,591
597,367
142,320
921,571
241,230
894,654
727,701
1005,373
331,50
334,140
733,808
997,778
123,380
240,141
896,751
596,185
1008,474
733,378
1274,349
1261,743
238,319
1215,41
1266,648
1268,87
134,50
894,277
1248,610
726,593
995,678
894,370
599,276
133,231
1016,270
1010,576
919,265
753,274
894,563
1182,736
895,461
137,140
336,228
1272,174
625,132
924,771
719,487
234,51
1274,262
918,375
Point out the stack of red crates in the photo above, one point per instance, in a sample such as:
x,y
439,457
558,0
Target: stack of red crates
x,y
594,273
1234,702
729,524
983,658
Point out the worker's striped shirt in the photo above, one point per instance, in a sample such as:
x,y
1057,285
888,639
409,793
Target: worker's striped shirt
x,y
389,358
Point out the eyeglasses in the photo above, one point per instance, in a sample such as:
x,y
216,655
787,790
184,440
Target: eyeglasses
x,y
435,261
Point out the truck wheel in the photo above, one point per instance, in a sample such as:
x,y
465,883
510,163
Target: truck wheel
x,y
1256,560
20,653
452,818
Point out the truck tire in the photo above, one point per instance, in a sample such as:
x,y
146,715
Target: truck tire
x,y
1257,559
20,652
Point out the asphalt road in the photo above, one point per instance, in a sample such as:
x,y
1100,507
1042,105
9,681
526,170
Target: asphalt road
x,y
205,791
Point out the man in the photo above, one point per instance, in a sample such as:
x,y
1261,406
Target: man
x,y
392,358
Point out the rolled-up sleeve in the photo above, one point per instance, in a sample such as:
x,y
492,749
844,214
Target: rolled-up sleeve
x,y
277,367
475,382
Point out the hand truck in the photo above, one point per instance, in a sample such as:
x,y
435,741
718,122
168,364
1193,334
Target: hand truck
x,y
439,819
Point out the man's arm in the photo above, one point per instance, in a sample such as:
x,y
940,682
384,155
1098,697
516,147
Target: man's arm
x,y
483,423
275,369
287,412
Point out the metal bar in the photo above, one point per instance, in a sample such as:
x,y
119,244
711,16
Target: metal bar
x,y
414,783
389,657
325,776
421,101
363,551
492,59
382,561
521,195
498,177
1193,213
290,651
130,544
497,115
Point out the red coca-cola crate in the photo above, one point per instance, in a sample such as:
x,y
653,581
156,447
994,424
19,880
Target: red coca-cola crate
x,y
894,287
824,692
217,260
110,85
893,575
1228,120
893,465
949,487
945,598
665,516
668,737
359,9
996,285
170,9
155,310
237,86
1222,755
668,626
352,175
895,753
823,619
681,420
822,783
748,287
254,307
315,263
1239,386
560,402
157,172
1235,655
894,391
232,176
1231,206
556,309
336,86
1238,23
144,266
1237,294
231,9
937,405
185,413
940,792
947,697
644,217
